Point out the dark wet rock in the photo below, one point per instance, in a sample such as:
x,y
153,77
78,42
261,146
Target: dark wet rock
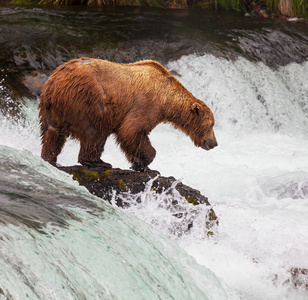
x,y
296,277
119,185
35,81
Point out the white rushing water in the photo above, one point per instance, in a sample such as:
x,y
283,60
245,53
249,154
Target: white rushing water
x,y
96,252
256,180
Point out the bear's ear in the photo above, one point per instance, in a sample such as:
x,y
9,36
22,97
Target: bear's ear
x,y
195,107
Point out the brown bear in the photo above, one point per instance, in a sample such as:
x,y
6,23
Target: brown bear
x,y
90,99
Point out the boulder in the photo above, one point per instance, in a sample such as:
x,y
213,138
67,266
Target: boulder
x,y
120,187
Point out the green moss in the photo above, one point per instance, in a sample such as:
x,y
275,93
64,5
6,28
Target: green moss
x,y
212,216
121,184
89,175
211,222
106,174
194,201
76,176
86,174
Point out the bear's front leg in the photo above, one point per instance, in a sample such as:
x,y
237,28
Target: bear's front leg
x,y
144,155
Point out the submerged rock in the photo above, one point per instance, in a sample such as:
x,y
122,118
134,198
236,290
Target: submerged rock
x,y
122,187
299,277
296,277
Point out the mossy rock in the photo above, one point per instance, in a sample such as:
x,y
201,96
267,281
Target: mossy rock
x,y
117,184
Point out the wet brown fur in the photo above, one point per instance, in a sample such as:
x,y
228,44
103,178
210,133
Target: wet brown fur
x,y
89,99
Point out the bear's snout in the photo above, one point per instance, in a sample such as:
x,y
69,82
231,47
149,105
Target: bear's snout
x,y
209,144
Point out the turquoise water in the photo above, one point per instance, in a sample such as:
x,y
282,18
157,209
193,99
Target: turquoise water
x,y
59,242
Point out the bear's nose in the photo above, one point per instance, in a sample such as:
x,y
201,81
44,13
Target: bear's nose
x,y
210,144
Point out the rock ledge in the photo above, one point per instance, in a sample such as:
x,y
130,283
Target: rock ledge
x,y
117,186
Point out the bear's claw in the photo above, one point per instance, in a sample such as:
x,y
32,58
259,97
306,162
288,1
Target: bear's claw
x,y
138,166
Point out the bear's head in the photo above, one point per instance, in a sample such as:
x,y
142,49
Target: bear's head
x,y
203,121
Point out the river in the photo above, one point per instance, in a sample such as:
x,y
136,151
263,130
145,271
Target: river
x,y
59,242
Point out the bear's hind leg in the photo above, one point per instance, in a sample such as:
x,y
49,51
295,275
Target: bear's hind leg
x,y
52,143
91,151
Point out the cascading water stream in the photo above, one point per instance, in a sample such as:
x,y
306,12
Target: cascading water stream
x,y
59,242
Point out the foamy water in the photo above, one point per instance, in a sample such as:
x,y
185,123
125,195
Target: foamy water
x,y
256,179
